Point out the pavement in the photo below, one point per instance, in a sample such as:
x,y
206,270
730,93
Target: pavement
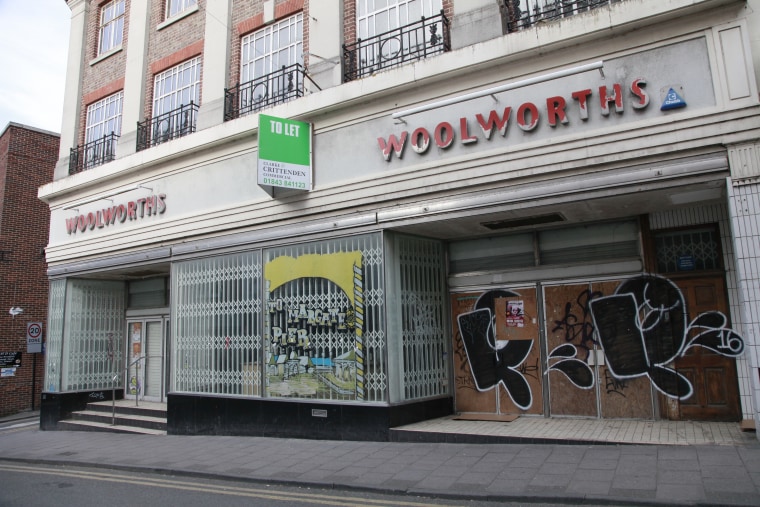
x,y
556,473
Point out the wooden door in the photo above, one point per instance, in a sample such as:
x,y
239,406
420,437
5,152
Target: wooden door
x,y
713,376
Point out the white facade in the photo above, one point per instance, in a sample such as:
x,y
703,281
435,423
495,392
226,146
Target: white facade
x,y
198,196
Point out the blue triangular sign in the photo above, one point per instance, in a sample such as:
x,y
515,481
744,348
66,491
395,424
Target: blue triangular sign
x,y
672,101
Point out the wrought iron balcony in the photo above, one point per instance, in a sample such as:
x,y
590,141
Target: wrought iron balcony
x,y
92,154
522,14
167,126
265,91
415,41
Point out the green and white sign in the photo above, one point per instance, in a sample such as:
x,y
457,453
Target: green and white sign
x,y
284,153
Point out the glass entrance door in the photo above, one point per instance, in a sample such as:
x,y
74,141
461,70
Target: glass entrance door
x,y
146,367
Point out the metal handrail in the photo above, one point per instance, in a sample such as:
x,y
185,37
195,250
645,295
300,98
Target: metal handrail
x,y
167,126
93,154
415,41
277,87
539,11
113,386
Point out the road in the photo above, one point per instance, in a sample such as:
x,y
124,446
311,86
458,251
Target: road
x,y
34,485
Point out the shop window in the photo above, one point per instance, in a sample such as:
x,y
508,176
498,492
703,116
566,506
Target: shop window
x,y
489,254
324,320
570,245
215,317
589,243
149,293
111,26
688,250
417,314
85,335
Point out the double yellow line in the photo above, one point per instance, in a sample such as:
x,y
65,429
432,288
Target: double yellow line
x,y
311,497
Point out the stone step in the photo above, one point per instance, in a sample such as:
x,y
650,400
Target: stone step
x,y
82,425
129,407
122,419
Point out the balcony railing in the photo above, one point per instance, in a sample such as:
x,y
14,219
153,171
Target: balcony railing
x,y
165,127
522,14
265,91
415,41
92,154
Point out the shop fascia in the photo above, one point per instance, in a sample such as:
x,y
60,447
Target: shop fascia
x,y
131,210
527,117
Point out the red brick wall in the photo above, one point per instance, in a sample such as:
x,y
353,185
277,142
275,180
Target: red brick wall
x,y
27,161
183,37
101,74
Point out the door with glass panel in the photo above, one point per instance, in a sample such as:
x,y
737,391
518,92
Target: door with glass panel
x,y
146,366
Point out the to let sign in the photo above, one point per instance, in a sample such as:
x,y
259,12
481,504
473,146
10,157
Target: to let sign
x,y
284,153
33,337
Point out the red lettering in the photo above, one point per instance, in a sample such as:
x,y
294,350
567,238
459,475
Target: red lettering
x,y
71,225
637,89
99,220
441,129
121,213
132,210
141,206
465,133
555,109
420,145
150,204
109,215
82,223
393,145
581,97
91,220
494,120
522,113
616,98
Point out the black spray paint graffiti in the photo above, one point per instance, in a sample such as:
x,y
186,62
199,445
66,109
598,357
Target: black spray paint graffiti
x,y
642,328
490,364
579,329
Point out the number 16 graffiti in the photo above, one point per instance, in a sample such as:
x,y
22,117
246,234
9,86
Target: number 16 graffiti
x,y
642,328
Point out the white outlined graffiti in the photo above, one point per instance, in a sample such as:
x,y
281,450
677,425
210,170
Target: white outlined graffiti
x,y
491,364
642,328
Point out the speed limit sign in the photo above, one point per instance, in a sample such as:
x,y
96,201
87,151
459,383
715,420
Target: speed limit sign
x,y
33,337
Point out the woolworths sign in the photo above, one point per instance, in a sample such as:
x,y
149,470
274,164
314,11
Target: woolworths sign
x,y
284,153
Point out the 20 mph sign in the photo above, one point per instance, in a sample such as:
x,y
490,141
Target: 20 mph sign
x,y
33,337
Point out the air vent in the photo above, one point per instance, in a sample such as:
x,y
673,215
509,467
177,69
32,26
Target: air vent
x,y
523,222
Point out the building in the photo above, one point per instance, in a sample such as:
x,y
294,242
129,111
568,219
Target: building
x,y
27,159
326,219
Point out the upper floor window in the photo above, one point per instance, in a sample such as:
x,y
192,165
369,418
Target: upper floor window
x,y
271,48
102,130
177,86
271,68
175,7
176,97
104,117
111,26
393,32
374,17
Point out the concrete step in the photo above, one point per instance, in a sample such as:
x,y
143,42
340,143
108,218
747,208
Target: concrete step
x,y
82,425
138,421
128,407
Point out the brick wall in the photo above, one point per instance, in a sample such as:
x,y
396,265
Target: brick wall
x,y
27,161
98,76
172,44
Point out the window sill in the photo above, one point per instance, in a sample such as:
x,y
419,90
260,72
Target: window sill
x,y
105,55
182,15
